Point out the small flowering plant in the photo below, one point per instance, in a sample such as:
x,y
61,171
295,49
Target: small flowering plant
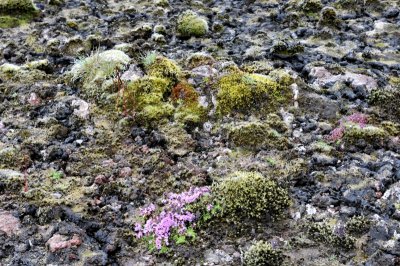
x,y
357,119
175,220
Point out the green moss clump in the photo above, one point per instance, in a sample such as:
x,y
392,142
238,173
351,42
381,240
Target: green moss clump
x,y
190,115
146,97
328,17
370,134
14,13
250,195
286,48
17,5
392,128
256,135
162,67
242,92
10,158
388,101
311,6
322,232
188,111
199,59
190,24
358,225
262,254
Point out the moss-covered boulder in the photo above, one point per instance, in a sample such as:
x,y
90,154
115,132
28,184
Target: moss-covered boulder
x,y
191,24
261,253
250,195
243,92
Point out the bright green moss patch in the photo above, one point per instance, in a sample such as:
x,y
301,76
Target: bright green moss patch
x,y
250,195
162,67
242,92
146,97
190,24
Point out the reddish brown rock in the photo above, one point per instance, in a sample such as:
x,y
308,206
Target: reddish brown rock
x,y
9,224
58,242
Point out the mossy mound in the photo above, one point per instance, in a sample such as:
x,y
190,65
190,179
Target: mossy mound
x,y
14,13
262,254
191,24
325,233
146,97
328,17
243,92
94,73
388,101
154,99
186,100
256,135
311,6
250,195
370,134
17,5
286,48
162,67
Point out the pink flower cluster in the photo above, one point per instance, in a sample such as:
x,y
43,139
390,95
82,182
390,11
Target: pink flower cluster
x,y
338,132
173,216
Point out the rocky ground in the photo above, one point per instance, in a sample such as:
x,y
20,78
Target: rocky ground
x,y
304,92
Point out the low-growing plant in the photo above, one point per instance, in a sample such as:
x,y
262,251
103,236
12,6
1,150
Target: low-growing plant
x,y
175,220
250,195
262,254
356,119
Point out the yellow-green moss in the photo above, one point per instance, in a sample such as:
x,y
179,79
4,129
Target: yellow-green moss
x,y
250,195
262,253
190,24
323,232
256,135
242,92
370,134
147,98
392,128
162,67
17,5
358,225
190,115
388,101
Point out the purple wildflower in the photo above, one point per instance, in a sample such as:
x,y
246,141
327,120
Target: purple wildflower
x,y
148,210
138,230
337,133
209,207
172,217
358,118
